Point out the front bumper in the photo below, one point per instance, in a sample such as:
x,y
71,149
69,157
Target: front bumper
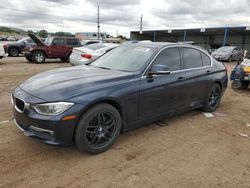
x,y
47,129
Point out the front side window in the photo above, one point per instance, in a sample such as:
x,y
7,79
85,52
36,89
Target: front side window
x,y
191,58
169,57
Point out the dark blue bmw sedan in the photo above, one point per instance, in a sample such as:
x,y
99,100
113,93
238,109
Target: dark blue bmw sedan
x,y
130,86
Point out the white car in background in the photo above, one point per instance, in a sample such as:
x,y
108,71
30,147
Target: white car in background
x,y
86,54
2,51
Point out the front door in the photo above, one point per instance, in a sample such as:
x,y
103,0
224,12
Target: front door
x,y
58,48
161,94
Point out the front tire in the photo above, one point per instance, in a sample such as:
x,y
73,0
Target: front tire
x,y
38,57
98,129
213,98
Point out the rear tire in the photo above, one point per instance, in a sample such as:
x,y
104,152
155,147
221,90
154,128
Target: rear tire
x,y
65,59
98,129
14,52
38,57
213,98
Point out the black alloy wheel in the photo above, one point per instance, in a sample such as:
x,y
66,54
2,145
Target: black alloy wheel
x,y
213,98
98,129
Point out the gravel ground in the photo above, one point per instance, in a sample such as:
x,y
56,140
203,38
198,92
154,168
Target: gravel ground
x,y
189,151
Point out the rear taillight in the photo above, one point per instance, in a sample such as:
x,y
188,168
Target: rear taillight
x,y
87,56
5,46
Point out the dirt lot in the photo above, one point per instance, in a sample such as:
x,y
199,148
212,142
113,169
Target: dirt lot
x,y
191,151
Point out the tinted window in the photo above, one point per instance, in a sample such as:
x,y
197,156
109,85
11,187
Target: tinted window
x,y
191,58
72,42
205,59
58,41
169,57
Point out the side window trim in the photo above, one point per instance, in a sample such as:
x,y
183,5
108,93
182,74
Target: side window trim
x,y
182,70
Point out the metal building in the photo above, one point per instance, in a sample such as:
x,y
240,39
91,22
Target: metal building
x,y
90,35
209,38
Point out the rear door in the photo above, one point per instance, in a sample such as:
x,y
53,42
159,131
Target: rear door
x,y
161,94
197,67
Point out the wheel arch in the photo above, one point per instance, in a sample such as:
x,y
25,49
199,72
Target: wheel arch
x,y
40,50
111,101
219,83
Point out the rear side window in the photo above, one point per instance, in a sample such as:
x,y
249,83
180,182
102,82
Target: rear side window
x,y
72,42
191,58
205,60
58,41
169,57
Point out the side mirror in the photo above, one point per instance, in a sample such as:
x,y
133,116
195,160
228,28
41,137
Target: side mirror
x,y
159,70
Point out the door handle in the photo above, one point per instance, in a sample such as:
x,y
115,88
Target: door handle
x,y
208,71
181,78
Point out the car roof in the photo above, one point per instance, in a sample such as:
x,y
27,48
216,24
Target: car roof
x,y
160,44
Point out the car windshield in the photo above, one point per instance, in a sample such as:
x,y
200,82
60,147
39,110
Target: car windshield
x,y
48,40
225,49
125,58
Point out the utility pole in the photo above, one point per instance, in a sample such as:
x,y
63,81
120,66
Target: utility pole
x,y
98,22
141,24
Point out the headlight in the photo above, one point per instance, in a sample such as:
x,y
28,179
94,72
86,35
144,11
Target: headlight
x,y
52,108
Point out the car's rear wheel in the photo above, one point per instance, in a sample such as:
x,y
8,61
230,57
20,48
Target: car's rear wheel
x,y
38,57
65,59
213,98
98,128
14,52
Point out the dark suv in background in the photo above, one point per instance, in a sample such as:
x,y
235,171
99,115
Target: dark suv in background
x,y
15,48
53,47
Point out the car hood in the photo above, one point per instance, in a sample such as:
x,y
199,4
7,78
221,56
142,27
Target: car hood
x,y
65,83
36,39
221,53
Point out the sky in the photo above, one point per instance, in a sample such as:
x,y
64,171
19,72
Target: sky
x,y
122,15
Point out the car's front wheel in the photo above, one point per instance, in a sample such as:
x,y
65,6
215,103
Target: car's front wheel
x,y
38,57
98,128
213,98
